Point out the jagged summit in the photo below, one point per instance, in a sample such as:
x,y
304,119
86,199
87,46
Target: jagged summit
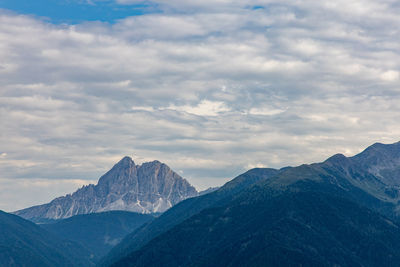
x,y
147,188
125,160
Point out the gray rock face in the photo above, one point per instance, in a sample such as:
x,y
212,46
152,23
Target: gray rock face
x,y
147,188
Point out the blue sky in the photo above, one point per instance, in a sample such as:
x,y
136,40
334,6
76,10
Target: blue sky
x,y
77,11
210,87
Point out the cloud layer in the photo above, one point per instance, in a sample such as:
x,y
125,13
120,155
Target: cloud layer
x,y
210,88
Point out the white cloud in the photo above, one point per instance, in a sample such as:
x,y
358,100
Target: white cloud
x,y
139,108
390,76
265,111
204,108
209,87
256,165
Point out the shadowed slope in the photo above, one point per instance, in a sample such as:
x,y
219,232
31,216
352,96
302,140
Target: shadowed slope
x,y
185,210
98,232
307,228
23,243
346,187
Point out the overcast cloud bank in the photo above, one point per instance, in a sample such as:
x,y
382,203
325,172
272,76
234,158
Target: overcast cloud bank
x,y
210,88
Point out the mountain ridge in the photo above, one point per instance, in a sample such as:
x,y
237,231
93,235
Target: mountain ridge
x,y
345,179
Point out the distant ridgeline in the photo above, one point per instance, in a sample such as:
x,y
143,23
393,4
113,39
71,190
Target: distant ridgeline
x,y
148,188
341,212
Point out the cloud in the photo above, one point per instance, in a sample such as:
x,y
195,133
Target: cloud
x,y
138,108
210,88
265,111
390,76
204,108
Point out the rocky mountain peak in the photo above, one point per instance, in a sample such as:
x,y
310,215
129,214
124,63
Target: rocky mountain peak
x,y
120,173
125,161
147,188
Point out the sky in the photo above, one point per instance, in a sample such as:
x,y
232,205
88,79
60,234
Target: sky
x,y
211,88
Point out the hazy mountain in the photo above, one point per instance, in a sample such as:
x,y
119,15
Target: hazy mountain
x,y
147,188
98,232
340,212
23,243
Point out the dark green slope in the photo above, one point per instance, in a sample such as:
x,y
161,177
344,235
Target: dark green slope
x,y
329,178
98,232
23,243
301,226
357,192
185,210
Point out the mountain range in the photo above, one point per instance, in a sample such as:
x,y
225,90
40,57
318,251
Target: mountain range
x,y
148,188
344,211
341,212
